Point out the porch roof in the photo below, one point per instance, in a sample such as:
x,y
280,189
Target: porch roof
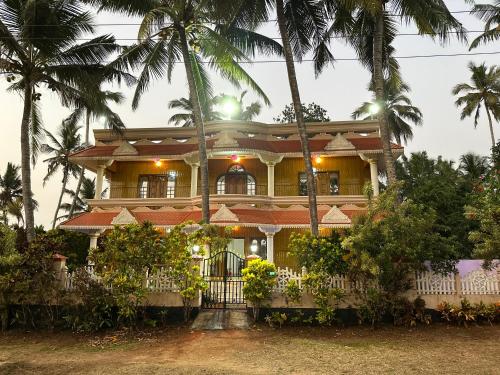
x,y
238,215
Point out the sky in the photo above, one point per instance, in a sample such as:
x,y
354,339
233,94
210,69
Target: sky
x,y
340,89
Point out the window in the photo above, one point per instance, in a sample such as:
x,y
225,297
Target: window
x,y
158,186
327,183
236,181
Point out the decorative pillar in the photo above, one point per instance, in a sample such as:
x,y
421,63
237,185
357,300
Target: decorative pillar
x,y
270,179
374,177
93,240
99,182
194,179
270,231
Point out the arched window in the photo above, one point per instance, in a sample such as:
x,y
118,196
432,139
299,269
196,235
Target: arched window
x,y
236,181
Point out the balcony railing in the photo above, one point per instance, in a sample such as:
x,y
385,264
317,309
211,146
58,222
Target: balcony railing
x,y
184,191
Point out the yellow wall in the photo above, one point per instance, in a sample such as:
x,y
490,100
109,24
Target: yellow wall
x,y
217,167
353,173
125,176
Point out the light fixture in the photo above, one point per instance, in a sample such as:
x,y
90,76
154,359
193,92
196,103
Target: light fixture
x,y
318,159
254,247
196,249
157,162
229,108
374,109
235,158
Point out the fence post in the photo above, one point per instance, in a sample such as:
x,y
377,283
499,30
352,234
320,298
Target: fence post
x,y
458,284
60,269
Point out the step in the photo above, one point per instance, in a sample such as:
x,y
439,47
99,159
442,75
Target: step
x,y
219,319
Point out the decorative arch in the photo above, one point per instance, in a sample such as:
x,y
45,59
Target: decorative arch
x,y
236,181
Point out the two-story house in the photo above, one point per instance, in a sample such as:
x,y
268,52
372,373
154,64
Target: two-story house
x,y
256,176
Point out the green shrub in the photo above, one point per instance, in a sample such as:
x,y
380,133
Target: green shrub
x,y
292,292
259,278
276,319
467,313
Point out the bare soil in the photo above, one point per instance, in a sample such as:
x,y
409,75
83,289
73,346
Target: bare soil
x,y
437,349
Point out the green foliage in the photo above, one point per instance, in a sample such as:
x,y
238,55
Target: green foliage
x,y
437,185
89,306
73,245
484,208
395,239
259,278
122,262
467,313
312,113
276,318
317,282
373,308
292,292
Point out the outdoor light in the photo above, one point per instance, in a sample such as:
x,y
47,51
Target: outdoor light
x,y
374,108
235,158
157,162
229,108
196,249
254,247
318,159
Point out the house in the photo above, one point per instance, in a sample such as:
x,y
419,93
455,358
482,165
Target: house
x,y
256,176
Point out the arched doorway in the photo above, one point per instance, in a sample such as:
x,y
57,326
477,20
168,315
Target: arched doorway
x,y
236,181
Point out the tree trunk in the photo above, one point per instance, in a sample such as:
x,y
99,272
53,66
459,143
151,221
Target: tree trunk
x,y
301,125
378,80
492,134
29,219
200,127
64,182
82,172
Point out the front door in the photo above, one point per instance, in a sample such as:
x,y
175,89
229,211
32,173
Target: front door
x,y
236,183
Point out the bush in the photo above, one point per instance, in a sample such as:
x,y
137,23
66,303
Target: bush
x,y
292,292
467,313
259,278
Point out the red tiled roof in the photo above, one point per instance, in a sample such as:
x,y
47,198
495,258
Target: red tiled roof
x,y
283,146
292,216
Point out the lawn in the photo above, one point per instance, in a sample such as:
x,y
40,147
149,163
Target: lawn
x,y
431,350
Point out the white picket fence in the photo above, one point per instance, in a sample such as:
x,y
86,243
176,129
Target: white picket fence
x,y
475,282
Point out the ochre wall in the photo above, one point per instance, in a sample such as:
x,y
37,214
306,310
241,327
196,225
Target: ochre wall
x,y
353,173
125,178
217,167
281,256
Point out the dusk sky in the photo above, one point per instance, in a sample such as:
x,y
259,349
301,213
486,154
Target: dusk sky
x,y
340,89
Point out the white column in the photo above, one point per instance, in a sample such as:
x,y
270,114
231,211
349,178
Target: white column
x,y
93,240
270,179
270,247
99,182
374,177
194,179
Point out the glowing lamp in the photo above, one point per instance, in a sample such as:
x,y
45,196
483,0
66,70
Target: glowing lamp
x,y
157,162
318,159
254,247
235,158
374,109
196,249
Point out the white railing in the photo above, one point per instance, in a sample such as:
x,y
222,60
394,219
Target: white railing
x,y
480,282
434,283
284,275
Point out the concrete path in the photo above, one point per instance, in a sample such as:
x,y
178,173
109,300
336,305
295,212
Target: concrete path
x,y
221,319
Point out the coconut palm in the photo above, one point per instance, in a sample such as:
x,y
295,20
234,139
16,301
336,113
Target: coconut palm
x,y
473,166
484,90
233,108
194,32
39,49
10,188
399,109
60,149
490,14
95,108
86,192
431,17
301,25
186,117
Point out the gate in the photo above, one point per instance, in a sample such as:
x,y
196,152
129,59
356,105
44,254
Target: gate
x,y
222,272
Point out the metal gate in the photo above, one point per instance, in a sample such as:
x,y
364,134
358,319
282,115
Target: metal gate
x,y
222,272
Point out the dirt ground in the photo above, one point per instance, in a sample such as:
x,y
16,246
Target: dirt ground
x,y
426,350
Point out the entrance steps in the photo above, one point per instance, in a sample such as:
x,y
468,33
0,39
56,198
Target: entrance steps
x,y
218,319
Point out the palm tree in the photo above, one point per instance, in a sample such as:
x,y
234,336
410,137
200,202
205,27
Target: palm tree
x,y
431,17
236,108
69,142
484,91
399,109
195,32
10,188
490,14
186,117
95,108
86,192
39,49
473,166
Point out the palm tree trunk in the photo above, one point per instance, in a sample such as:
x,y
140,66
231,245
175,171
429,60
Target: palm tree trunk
x,y
29,219
82,172
301,125
63,189
200,127
378,80
492,134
